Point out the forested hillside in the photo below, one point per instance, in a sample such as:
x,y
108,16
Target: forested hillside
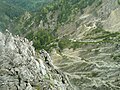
x,y
10,10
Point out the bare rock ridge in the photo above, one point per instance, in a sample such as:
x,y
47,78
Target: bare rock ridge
x,y
22,69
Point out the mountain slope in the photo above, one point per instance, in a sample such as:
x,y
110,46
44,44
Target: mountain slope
x,y
93,62
22,69
86,50
7,14
54,15
12,9
29,5
83,38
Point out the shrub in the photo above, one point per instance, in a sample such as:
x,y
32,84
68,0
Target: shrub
x,y
64,43
41,39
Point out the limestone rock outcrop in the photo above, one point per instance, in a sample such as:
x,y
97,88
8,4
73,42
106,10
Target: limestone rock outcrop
x,y
22,69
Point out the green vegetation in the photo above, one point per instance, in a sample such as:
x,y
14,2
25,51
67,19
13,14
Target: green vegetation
x,y
106,36
11,10
76,45
69,8
42,39
64,43
45,39
96,34
38,87
119,2
29,5
8,13
67,11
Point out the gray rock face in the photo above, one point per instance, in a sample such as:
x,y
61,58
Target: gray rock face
x,y
21,69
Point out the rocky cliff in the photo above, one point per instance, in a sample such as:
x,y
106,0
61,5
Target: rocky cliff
x,y
83,38
22,69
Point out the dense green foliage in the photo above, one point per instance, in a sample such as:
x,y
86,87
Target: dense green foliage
x,y
41,39
10,10
64,43
29,5
8,13
119,2
64,9
71,7
68,8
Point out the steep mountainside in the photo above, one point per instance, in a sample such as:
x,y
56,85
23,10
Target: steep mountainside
x,y
70,19
82,37
92,63
29,5
53,15
7,13
12,9
22,69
